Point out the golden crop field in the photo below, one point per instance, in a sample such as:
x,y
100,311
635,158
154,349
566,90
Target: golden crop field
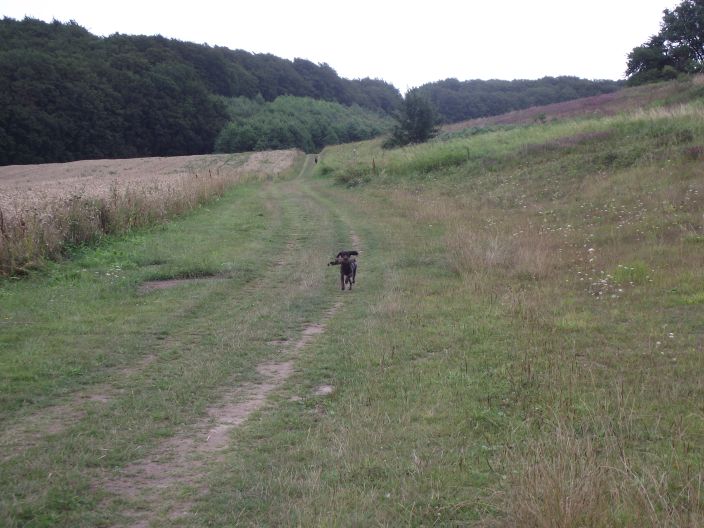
x,y
45,207
33,186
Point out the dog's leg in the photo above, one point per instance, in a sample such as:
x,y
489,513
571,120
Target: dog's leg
x,y
342,281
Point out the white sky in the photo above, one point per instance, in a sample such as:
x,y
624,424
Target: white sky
x,y
406,43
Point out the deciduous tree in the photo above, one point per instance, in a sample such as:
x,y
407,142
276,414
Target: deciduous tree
x,y
679,47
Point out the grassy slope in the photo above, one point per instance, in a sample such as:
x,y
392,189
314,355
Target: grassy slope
x,y
524,345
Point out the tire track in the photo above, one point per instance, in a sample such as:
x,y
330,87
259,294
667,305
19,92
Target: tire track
x,y
30,431
181,460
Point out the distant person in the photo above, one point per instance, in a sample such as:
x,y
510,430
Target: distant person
x,y
316,159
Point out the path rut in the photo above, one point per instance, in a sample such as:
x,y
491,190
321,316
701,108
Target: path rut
x,y
180,460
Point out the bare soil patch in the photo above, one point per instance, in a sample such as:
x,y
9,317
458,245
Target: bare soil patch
x,y
230,414
31,430
164,284
324,390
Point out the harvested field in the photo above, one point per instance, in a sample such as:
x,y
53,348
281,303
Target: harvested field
x,y
23,186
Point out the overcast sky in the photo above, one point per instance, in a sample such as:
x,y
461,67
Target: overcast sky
x,y
406,43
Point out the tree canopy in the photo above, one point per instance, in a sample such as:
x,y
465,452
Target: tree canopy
x,y
677,48
66,94
295,122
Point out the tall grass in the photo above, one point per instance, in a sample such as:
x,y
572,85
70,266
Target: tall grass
x,y
33,234
563,478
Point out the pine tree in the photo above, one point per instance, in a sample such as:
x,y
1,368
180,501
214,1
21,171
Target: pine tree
x,y
416,122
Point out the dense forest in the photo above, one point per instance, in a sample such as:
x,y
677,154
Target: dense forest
x,y
299,122
66,94
459,100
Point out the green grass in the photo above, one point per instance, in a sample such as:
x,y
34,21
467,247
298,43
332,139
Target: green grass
x,y
523,346
572,252
158,358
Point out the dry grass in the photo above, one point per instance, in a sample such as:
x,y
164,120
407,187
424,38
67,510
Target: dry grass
x,y
563,479
598,267
610,104
478,244
44,208
521,253
630,238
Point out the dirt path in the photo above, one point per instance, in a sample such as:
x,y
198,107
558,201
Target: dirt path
x,y
30,431
148,433
182,461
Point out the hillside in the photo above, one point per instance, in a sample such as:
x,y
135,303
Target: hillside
x,y
67,95
461,100
538,359
608,104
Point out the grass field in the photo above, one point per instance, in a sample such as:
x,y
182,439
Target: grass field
x,y
523,346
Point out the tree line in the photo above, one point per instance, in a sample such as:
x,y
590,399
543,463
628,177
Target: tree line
x,y
457,100
66,94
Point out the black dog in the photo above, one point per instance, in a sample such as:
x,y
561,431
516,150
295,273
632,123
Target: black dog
x,y
348,267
